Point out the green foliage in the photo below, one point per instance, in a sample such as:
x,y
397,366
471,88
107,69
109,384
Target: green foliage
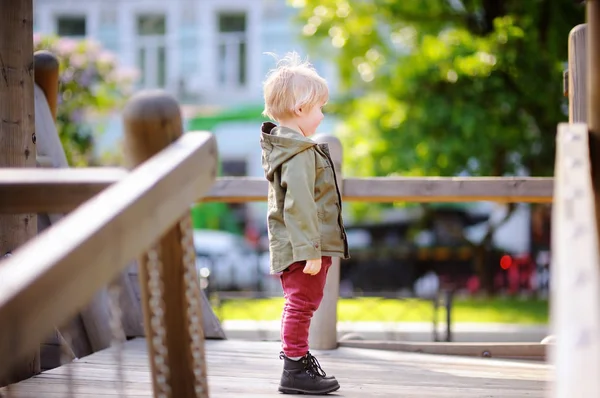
x,y
439,87
90,84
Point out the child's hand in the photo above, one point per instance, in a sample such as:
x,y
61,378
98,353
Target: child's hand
x,y
312,267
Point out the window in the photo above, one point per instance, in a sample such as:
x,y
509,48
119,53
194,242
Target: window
x,y
151,25
236,168
151,50
232,50
72,26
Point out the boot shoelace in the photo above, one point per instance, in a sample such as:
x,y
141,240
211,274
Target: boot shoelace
x,y
313,367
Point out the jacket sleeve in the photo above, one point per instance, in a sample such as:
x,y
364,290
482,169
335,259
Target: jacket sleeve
x,y
300,210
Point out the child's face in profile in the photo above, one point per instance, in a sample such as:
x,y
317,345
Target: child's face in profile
x,y
310,119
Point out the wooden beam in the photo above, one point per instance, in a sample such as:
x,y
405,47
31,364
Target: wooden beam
x,y
485,350
65,190
238,190
399,189
53,190
575,276
17,136
72,260
449,189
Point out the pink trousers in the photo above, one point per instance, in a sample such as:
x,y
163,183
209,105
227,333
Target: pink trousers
x,y
303,294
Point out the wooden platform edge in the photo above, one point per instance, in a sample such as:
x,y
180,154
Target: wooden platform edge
x,y
530,351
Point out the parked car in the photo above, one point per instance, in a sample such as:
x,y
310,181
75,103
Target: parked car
x,y
226,261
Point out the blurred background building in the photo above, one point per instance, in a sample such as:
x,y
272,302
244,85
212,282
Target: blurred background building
x,y
212,56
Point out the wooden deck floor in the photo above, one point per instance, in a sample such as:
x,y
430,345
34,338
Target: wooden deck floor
x,y
252,369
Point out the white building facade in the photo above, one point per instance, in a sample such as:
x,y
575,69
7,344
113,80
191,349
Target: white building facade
x,y
209,52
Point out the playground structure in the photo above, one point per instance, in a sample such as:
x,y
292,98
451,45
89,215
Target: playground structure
x,y
73,289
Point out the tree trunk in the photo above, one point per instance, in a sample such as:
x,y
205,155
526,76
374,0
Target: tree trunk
x,y
482,253
17,135
481,265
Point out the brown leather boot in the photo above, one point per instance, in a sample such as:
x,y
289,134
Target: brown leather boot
x,y
305,376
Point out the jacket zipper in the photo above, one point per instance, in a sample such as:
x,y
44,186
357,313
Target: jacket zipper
x,y
339,202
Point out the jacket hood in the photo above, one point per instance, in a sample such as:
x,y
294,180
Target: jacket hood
x,y
280,144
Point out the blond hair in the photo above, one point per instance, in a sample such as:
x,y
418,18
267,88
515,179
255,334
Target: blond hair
x,y
293,84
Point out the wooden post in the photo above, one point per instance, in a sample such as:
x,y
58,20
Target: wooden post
x,y
576,88
593,95
323,328
577,76
49,153
152,122
575,284
17,130
46,77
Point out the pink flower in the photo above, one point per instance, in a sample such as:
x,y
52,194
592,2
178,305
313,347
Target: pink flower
x,y
106,58
78,60
66,46
92,46
126,74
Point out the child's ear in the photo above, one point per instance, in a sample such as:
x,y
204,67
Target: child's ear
x,y
298,111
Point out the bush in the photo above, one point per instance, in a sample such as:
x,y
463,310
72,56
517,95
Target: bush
x,y
91,84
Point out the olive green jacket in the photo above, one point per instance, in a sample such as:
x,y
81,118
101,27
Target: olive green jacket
x,y
305,206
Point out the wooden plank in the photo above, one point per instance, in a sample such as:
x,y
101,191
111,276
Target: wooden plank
x,y
69,189
238,190
252,370
211,325
54,351
75,333
449,189
484,350
127,217
132,319
405,189
96,321
575,283
53,190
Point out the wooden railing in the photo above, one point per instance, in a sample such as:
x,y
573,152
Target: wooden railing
x,y
65,190
117,215
575,312
49,279
575,278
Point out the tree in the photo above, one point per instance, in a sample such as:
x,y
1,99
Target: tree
x,y
91,84
444,87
